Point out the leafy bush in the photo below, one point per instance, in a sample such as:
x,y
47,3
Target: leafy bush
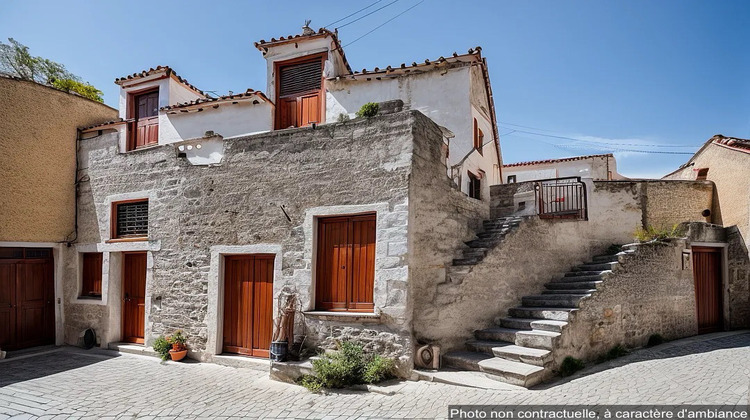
x,y
368,110
652,233
343,117
84,89
655,340
615,352
570,365
161,347
350,365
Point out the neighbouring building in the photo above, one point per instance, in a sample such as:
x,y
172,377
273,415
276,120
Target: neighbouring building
x,y
726,162
38,132
597,167
203,214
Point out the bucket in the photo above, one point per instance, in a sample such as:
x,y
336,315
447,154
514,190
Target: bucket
x,y
279,351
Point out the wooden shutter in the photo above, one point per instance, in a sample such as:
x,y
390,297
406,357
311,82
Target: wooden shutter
x,y
345,275
295,79
91,274
299,92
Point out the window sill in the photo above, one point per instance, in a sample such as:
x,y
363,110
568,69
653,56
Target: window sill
x,y
358,317
88,300
138,239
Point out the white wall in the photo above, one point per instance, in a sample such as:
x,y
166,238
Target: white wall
x,y
228,120
594,168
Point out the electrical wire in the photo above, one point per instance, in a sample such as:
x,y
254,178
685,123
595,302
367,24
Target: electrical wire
x,y
348,16
607,148
604,143
383,24
368,14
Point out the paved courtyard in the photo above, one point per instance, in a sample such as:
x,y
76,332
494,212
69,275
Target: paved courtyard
x,y
70,383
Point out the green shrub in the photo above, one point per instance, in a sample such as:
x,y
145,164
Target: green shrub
x,y
161,347
378,369
655,340
652,233
350,365
615,352
368,110
343,117
570,365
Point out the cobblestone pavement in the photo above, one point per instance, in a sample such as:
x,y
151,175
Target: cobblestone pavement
x,y
71,383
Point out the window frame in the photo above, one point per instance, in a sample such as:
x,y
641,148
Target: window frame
x,y
511,179
82,293
475,191
277,66
113,222
478,138
132,118
701,174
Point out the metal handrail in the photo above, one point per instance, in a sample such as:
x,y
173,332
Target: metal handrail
x,y
552,202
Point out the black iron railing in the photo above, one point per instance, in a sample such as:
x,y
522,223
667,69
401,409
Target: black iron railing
x,y
561,198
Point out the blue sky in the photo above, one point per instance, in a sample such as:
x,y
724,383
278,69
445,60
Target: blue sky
x,y
585,76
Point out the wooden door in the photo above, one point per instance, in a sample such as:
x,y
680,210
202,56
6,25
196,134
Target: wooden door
x,y
299,92
248,304
707,274
146,115
7,305
345,273
133,297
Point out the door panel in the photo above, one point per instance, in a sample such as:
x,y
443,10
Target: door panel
x,y
35,307
134,297
707,273
287,113
310,109
363,264
7,304
248,304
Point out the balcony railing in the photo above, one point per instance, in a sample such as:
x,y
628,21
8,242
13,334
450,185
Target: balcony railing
x,y
561,198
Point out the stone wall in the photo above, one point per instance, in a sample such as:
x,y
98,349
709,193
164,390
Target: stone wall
x,y
38,130
195,212
649,292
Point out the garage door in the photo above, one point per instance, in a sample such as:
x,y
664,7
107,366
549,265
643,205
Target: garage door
x,y
27,311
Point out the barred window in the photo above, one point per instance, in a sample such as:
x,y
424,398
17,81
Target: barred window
x,y
131,219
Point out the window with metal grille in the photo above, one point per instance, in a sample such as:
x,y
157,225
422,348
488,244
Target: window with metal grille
x,y
298,78
131,219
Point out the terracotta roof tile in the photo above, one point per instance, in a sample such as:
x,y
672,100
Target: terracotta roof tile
x,y
263,45
102,125
474,54
221,99
567,159
154,70
732,142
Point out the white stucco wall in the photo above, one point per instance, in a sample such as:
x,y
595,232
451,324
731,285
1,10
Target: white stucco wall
x,y
228,120
594,168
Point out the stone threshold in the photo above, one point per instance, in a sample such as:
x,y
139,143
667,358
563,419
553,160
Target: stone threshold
x,y
354,317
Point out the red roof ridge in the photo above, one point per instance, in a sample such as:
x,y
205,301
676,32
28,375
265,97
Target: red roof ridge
x,y
246,94
565,159
158,69
453,58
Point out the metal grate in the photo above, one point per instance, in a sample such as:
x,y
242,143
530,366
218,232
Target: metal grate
x,y
299,78
561,198
132,219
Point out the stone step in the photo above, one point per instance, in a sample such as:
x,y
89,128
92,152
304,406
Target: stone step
x,y
455,274
466,261
532,324
576,279
464,360
537,339
515,373
554,301
585,273
532,356
485,346
606,258
483,243
492,234
497,334
584,285
474,252
568,291
595,267
557,314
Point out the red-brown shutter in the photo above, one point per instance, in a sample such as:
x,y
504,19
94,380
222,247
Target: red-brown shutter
x,y
91,281
299,94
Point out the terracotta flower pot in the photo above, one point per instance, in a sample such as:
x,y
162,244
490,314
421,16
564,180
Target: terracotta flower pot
x,y
177,355
178,347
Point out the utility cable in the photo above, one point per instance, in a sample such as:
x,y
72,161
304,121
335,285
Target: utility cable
x,y
383,24
609,148
368,14
348,16
604,143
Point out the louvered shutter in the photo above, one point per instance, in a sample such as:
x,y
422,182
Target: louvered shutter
x,y
299,78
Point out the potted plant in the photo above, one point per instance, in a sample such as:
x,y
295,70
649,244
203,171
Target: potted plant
x,y
179,349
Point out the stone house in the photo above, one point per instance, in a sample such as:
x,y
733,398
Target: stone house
x,y
725,161
204,214
38,126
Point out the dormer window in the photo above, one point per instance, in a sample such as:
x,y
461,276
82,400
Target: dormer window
x,y
299,92
143,126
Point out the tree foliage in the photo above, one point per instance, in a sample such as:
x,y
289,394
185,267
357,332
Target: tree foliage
x,y
16,61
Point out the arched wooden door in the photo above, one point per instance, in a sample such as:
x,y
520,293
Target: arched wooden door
x,y
133,296
248,304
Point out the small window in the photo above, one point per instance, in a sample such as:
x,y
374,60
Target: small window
x,y
511,179
91,275
475,186
478,137
130,220
702,174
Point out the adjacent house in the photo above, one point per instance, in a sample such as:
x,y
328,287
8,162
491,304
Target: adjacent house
x,y
38,141
598,167
726,162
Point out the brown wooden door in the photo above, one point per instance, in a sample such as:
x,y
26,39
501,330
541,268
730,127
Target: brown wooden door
x,y
27,296
145,128
248,304
299,92
133,297
345,274
707,273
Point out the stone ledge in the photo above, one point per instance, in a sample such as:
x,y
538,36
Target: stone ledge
x,y
353,317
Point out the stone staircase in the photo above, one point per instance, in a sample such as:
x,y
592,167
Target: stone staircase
x,y
493,233
520,349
